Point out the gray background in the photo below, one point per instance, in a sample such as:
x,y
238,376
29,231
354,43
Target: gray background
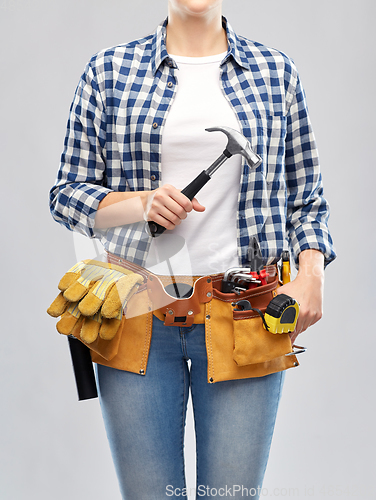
x,y
51,446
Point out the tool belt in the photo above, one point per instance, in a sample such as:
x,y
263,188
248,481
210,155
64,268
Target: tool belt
x,y
237,344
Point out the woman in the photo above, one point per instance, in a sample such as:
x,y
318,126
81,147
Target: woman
x,y
136,136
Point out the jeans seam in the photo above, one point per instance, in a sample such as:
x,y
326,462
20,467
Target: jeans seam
x,y
183,424
194,422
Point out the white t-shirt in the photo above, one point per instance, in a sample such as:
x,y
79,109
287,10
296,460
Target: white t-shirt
x,y
205,242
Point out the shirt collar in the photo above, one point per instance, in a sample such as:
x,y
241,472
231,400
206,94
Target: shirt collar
x,y
235,48
159,51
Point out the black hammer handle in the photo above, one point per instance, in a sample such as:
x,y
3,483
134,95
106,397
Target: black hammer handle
x,y
83,369
189,191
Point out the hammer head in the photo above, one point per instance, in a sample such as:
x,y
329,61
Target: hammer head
x,y
238,144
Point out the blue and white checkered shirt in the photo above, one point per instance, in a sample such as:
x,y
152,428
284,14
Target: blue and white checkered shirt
x,y
114,135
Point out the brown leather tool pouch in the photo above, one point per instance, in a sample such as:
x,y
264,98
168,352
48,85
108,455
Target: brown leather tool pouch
x,y
237,344
129,350
254,344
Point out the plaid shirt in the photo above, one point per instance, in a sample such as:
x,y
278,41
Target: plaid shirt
x,y
114,134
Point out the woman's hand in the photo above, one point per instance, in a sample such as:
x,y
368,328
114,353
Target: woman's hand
x,y
307,289
167,206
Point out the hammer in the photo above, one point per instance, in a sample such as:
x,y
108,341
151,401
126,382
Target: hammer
x,y
236,144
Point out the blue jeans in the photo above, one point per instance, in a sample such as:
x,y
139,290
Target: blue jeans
x,y
145,417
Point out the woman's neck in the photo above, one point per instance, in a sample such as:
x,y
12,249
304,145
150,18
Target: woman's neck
x,y
195,36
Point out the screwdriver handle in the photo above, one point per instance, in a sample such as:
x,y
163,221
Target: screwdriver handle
x,y
189,191
286,268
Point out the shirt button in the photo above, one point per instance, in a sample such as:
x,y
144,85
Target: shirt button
x,y
169,84
153,177
155,125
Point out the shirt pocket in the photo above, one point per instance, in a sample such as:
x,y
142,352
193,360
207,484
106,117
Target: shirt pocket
x,y
269,134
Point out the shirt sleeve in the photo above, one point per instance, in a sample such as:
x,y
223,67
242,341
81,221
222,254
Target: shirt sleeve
x,y
79,187
307,209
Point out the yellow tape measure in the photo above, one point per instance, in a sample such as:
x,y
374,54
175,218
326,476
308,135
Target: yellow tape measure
x,y
281,314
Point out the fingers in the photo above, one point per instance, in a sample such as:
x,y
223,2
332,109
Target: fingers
x,y
168,206
307,317
197,206
293,336
310,299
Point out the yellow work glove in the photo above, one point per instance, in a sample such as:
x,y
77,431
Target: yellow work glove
x,y
95,294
